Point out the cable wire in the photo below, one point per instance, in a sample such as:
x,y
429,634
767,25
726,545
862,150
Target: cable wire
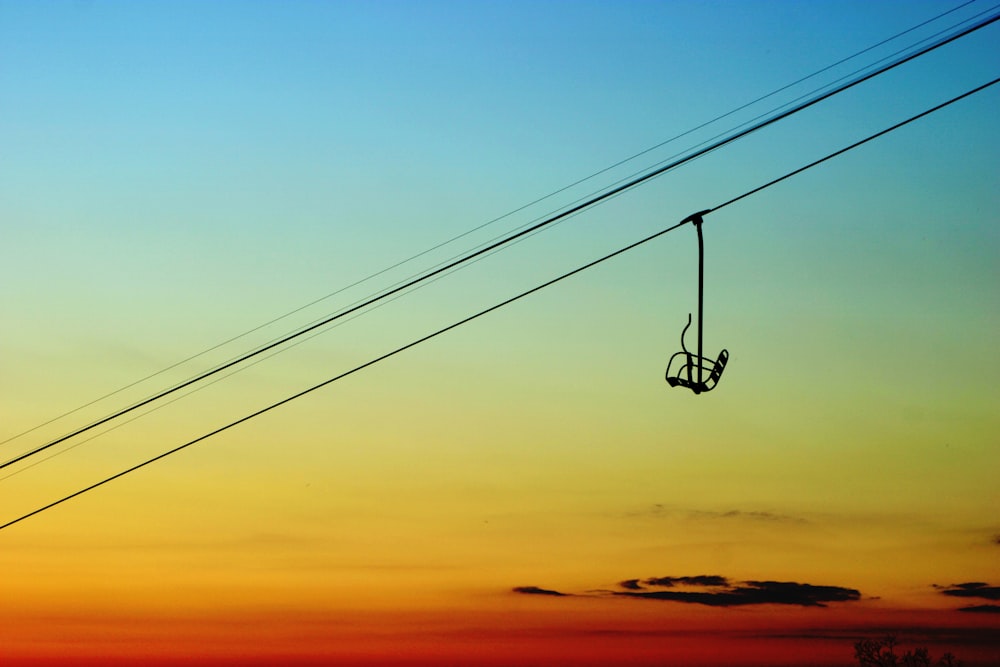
x,y
278,351
497,306
491,222
570,211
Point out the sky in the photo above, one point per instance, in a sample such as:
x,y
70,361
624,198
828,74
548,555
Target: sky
x,y
184,182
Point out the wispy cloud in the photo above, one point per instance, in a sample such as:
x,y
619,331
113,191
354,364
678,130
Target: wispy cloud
x,y
751,515
658,510
535,590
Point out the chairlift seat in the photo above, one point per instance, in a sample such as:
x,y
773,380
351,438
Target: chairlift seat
x,y
687,374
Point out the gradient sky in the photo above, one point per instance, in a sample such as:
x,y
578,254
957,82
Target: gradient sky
x,y
525,489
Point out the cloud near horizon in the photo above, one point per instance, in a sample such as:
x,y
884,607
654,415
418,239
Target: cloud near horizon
x,y
981,609
535,590
699,580
754,592
717,591
971,589
660,510
750,515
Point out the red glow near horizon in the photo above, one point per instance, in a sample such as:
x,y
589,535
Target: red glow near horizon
x,y
774,637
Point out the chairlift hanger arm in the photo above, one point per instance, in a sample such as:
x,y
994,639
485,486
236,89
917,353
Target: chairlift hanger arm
x,y
692,373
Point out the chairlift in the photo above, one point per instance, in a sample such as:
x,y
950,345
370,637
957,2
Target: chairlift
x,y
695,372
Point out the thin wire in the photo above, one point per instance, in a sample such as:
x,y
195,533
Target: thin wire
x,y
263,359
339,377
609,193
240,369
497,306
319,321
488,223
195,390
856,144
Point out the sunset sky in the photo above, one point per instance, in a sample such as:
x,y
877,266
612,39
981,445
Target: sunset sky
x,y
183,182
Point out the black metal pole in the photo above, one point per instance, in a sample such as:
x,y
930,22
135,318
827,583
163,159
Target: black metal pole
x,y
701,290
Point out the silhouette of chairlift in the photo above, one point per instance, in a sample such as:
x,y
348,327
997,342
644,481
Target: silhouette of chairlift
x,y
695,372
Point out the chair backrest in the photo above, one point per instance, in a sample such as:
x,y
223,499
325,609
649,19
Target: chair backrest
x,y
720,365
686,373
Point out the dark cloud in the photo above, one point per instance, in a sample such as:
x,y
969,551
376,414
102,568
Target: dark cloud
x,y
982,609
754,592
717,591
700,580
535,590
971,589
996,539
